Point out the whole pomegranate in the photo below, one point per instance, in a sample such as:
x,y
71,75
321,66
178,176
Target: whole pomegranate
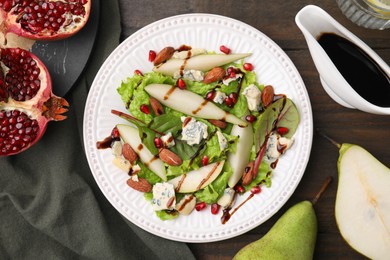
x,y
26,101
44,19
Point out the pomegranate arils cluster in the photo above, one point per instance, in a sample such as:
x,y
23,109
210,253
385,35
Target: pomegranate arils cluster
x,y
38,16
26,101
17,131
44,19
22,80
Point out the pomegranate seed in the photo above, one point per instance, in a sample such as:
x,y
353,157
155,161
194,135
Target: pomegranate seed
x,y
232,74
229,102
144,109
200,205
205,160
234,97
250,118
224,49
181,83
7,6
152,55
230,70
210,95
215,208
239,188
248,66
138,72
14,137
115,133
158,142
255,190
282,130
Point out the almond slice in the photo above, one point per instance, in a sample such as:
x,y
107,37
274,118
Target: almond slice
x,y
215,74
164,55
158,109
170,157
141,184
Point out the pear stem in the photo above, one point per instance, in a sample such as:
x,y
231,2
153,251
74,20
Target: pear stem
x,y
323,188
328,138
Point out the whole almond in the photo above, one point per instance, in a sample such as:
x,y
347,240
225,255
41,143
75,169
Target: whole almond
x,y
219,123
170,157
215,74
247,177
141,184
129,153
267,95
158,109
164,55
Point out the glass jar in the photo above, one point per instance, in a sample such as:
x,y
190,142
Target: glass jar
x,y
373,14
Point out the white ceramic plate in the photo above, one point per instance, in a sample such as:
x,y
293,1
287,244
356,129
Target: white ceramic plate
x,y
201,31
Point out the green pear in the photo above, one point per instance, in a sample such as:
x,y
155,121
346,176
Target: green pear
x,y
363,202
292,237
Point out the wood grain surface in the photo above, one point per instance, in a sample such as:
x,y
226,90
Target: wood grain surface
x,y
276,20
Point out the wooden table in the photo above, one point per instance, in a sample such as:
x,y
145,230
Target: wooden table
x,y
276,19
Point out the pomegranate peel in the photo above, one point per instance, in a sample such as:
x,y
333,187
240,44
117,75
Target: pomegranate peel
x,y
44,19
27,103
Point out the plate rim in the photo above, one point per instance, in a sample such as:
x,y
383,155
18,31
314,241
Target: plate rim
x,y
298,81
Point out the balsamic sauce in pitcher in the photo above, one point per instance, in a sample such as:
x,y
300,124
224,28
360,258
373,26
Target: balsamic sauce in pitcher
x,y
358,68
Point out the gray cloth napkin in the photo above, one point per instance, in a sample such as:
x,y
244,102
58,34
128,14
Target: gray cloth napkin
x,y
50,204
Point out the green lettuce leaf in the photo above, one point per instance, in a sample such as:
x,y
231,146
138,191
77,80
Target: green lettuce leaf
x,y
147,174
127,88
186,151
166,123
199,87
134,95
167,215
281,113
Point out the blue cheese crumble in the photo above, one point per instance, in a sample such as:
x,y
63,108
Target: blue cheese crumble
x,y
168,140
276,146
163,196
193,75
223,143
193,131
253,96
219,97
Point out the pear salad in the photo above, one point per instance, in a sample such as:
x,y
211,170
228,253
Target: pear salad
x,y
202,131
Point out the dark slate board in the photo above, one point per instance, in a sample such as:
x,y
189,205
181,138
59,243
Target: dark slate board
x,y
66,59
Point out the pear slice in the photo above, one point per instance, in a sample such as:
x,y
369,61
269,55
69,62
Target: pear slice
x,y
197,179
363,202
203,62
186,204
239,160
190,103
130,135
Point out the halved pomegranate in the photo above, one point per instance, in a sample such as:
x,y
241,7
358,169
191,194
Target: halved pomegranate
x,y
26,101
44,19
